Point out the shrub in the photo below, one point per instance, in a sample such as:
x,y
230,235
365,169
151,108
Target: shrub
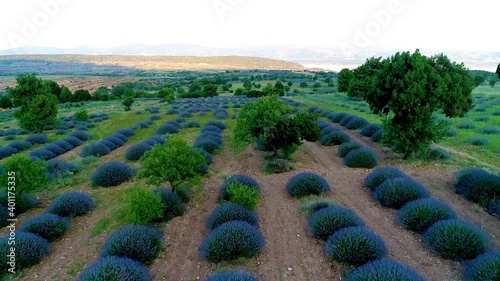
x,y
167,129
496,113
230,241
312,206
336,117
112,173
239,178
4,216
143,206
82,115
20,145
328,129
48,226
122,137
136,151
82,135
115,140
277,165
327,221
24,201
478,141
208,156
436,154
64,145
230,212
483,268
37,139
30,250
346,147
30,175
57,167
489,130
173,162
172,204
243,195
137,242
71,204
74,141
355,246
482,119
379,175
172,111
211,128
96,149
176,123
9,137
465,125
57,150
109,144
378,135
334,138
155,117
207,144
231,276
451,132
155,140
7,151
346,119
305,184
115,268
456,239
370,129
192,124
128,132
383,270
361,158
477,185
216,123
356,123
419,215
394,193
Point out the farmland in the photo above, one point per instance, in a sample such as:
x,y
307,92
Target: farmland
x,y
288,249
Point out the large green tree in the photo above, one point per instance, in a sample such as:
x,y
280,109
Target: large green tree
x,y
365,79
54,88
37,106
210,90
345,77
66,95
408,89
81,95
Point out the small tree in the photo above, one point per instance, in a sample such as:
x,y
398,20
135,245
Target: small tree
x,y
142,206
5,102
303,85
127,103
270,120
119,90
82,115
210,90
174,162
247,84
498,71
101,94
279,88
478,80
81,95
66,95
492,83
40,112
345,77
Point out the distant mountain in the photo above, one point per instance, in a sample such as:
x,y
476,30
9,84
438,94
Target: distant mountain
x,y
322,57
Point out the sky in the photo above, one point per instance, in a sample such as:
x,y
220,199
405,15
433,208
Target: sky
x,y
394,24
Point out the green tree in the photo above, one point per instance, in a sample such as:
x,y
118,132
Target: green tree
x,y
54,88
239,92
30,175
174,162
492,83
167,93
5,102
119,90
303,85
279,88
345,77
268,90
210,90
37,107
365,79
66,95
270,120
127,103
408,89
498,71
82,115
142,206
317,85
81,95
247,84
101,94
478,80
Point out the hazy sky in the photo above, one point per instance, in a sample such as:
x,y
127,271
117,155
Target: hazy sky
x,y
399,24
